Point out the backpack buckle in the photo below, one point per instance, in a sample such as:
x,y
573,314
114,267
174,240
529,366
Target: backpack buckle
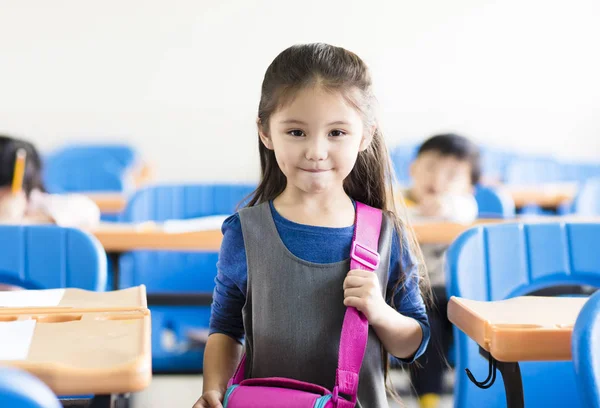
x,y
364,256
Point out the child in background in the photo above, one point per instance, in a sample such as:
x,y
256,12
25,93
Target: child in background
x,y
444,174
283,280
32,203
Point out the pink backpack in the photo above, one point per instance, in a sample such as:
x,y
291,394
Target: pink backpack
x,y
279,392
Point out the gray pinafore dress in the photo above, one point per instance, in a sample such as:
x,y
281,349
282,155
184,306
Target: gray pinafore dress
x,y
294,311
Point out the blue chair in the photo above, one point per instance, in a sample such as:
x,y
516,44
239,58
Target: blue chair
x,y
177,272
402,156
494,203
495,162
579,172
49,256
19,389
89,168
124,154
586,351
501,261
533,171
587,201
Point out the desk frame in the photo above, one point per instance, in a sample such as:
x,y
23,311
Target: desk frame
x,y
511,375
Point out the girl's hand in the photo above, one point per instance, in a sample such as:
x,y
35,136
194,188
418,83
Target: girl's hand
x,y
363,291
210,399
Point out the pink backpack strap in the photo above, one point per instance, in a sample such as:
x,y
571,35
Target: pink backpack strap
x,y
355,330
238,377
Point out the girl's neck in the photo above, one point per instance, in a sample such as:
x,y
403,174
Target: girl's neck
x,y
328,209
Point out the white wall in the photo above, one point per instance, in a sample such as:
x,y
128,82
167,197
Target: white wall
x,y
181,79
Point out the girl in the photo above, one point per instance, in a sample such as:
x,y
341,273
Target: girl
x,y
284,279
32,204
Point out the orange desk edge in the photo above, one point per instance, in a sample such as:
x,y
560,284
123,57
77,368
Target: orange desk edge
x,y
130,237
527,328
108,203
88,351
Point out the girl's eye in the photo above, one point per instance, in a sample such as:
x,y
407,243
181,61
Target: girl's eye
x,y
337,133
296,133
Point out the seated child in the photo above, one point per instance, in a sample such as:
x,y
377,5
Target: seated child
x,y
33,204
444,174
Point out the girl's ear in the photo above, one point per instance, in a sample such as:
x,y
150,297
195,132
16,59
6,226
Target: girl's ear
x,y
264,137
368,135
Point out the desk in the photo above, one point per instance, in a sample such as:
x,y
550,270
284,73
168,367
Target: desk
x,y
442,232
91,347
545,195
527,328
109,203
129,237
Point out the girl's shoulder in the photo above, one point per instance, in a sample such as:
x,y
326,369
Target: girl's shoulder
x,y
232,224
232,253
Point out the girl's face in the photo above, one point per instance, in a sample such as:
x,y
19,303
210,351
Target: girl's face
x,y
316,138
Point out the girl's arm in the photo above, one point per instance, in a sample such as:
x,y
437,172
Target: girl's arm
x,y
221,357
223,349
400,335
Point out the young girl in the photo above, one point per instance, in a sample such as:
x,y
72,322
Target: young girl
x,y
32,204
284,280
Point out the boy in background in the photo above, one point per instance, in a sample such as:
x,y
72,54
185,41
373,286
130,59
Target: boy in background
x,y
444,175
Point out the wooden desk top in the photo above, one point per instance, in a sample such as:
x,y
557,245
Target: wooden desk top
x,y
82,343
72,299
130,237
439,232
528,328
109,203
545,195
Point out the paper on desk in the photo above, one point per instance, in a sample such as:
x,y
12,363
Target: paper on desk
x,y
195,224
15,339
31,298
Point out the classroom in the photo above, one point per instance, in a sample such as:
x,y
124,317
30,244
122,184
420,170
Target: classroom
x,y
316,204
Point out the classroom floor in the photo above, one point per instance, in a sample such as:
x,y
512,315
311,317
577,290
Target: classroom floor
x,y
181,391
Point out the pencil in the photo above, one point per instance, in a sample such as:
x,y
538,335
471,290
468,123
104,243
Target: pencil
x,y
17,183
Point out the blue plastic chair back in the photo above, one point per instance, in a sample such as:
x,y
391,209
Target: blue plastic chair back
x,y
174,272
579,172
587,201
89,168
495,162
501,261
586,351
19,389
494,203
125,155
49,256
164,271
402,157
533,171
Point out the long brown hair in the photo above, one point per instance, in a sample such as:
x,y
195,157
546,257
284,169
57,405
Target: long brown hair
x,y
372,179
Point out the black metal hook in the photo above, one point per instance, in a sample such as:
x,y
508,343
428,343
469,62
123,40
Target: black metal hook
x,y
491,378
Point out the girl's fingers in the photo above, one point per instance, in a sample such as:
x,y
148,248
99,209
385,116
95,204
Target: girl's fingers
x,y
354,282
359,272
353,302
353,292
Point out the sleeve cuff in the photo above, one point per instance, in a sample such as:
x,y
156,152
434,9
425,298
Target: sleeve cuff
x,y
422,347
